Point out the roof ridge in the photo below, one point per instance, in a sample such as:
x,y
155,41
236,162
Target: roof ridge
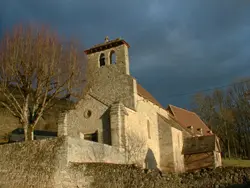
x,y
182,109
141,91
200,119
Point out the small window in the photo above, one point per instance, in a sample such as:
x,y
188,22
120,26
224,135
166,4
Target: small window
x,y
148,127
102,60
87,114
91,137
112,57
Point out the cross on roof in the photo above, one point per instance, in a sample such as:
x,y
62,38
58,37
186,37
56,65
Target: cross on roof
x,y
106,39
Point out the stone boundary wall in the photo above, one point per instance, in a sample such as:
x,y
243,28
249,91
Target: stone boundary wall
x,y
129,176
46,164
81,151
31,164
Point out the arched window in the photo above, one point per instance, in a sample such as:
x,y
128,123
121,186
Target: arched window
x,y
102,60
112,57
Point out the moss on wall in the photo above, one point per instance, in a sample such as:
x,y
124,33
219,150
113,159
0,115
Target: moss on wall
x,y
129,176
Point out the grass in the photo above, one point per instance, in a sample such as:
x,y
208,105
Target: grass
x,y
236,162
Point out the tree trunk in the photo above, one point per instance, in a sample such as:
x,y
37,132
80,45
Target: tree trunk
x,y
247,146
228,149
28,128
246,149
235,149
31,133
248,152
244,153
240,146
28,132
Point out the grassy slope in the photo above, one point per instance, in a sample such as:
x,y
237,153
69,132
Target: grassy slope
x,y
236,162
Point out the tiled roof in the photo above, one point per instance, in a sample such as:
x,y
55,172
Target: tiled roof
x,y
187,118
199,144
146,95
106,45
172,122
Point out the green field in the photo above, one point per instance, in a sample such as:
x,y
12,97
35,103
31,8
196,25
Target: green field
x,y
236,162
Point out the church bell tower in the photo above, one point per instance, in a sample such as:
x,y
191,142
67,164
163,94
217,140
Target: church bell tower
x,y
112,54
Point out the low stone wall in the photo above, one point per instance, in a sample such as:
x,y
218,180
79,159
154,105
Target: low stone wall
x,y
46,164
30,164
123,176
80,150
233,177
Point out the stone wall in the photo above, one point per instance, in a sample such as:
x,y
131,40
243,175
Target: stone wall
x,y
230,177
8,122
161,137
87,151
89,116
177,140
124,176
112,82
111,86
121,60
44,163
24,165
166,146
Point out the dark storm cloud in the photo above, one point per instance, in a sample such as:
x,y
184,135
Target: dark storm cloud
x,y
177,46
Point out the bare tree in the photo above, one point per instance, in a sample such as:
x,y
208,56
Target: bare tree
x,y
228,114
134,147
241,106
214,110
36,70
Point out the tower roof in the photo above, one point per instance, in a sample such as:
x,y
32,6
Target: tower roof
x,y
106,45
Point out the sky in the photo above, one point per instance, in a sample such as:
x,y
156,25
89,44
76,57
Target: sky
x,y
178,47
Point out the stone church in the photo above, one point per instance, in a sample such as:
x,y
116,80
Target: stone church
x,y
117,111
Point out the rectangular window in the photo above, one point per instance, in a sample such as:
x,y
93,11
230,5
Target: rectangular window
x,y
91,137
148,127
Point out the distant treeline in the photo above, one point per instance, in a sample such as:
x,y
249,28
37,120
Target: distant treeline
x,y
227,113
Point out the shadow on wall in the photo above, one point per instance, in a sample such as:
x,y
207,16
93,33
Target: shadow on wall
x,y
150,160
106,127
